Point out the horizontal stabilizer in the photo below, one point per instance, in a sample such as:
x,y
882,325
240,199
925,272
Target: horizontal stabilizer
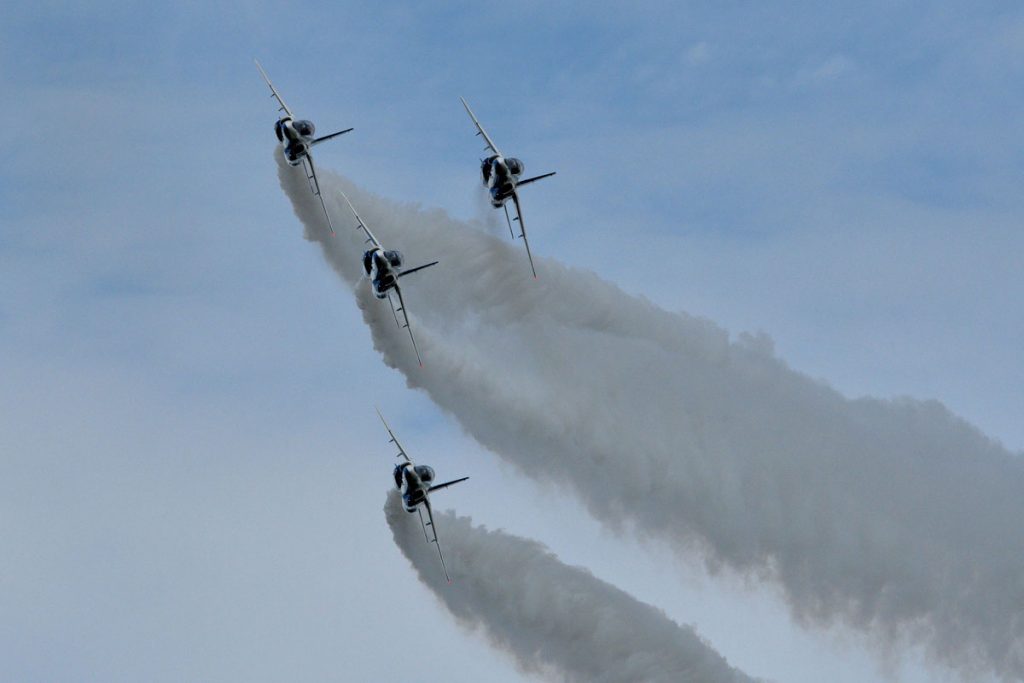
x,y
535,178
445,485
413,270
332,135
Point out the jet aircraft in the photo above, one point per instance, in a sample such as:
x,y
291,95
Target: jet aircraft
x,y
416,482
383,268
297,138
501,178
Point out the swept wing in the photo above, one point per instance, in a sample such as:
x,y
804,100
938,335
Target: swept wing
x,y
370,239
314,185
273,91
405,317
480,129
393,439
522,230
433,533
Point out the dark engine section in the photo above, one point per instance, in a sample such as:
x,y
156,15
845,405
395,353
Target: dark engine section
x,y
294,152
279,131
304,128
515,166
426,473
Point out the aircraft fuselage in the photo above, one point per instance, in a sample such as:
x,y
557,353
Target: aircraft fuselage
x,y
381,267
296,136
500,176
414,482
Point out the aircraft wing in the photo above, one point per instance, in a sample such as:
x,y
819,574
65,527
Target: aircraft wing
x,y
394,311
405,316
446,484
433,533
423,524
276,95
314,185
522,231
393,439
480,129
361,225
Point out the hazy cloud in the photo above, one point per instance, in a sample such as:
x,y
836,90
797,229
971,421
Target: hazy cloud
x,y
552,618
893,517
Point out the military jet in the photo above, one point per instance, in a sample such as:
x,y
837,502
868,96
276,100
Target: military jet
x,y
501,178
383,268
297,138
416,484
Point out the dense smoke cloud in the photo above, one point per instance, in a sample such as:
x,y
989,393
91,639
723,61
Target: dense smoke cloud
x,y
552,618
894,517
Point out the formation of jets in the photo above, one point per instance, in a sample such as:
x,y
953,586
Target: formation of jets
x,y
383,268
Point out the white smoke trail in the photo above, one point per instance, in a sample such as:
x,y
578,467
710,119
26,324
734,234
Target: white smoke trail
x,y
894,517
551,617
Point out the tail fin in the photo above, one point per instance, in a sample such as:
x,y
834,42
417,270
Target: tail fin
x,y
413,270
332,135
445,485
535,178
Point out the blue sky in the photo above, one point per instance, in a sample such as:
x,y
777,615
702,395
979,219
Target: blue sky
x,y
195,472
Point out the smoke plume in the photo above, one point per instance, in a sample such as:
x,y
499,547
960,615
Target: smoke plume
x,y
552,618
893,517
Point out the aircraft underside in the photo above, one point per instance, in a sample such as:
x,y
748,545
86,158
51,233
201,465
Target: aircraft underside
x,y
294,153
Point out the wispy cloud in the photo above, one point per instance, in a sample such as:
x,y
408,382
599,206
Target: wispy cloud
x,y
831,69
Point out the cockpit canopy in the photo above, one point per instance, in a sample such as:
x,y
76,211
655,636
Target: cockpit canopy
x,y
304,128
425,473
515,166
394,257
